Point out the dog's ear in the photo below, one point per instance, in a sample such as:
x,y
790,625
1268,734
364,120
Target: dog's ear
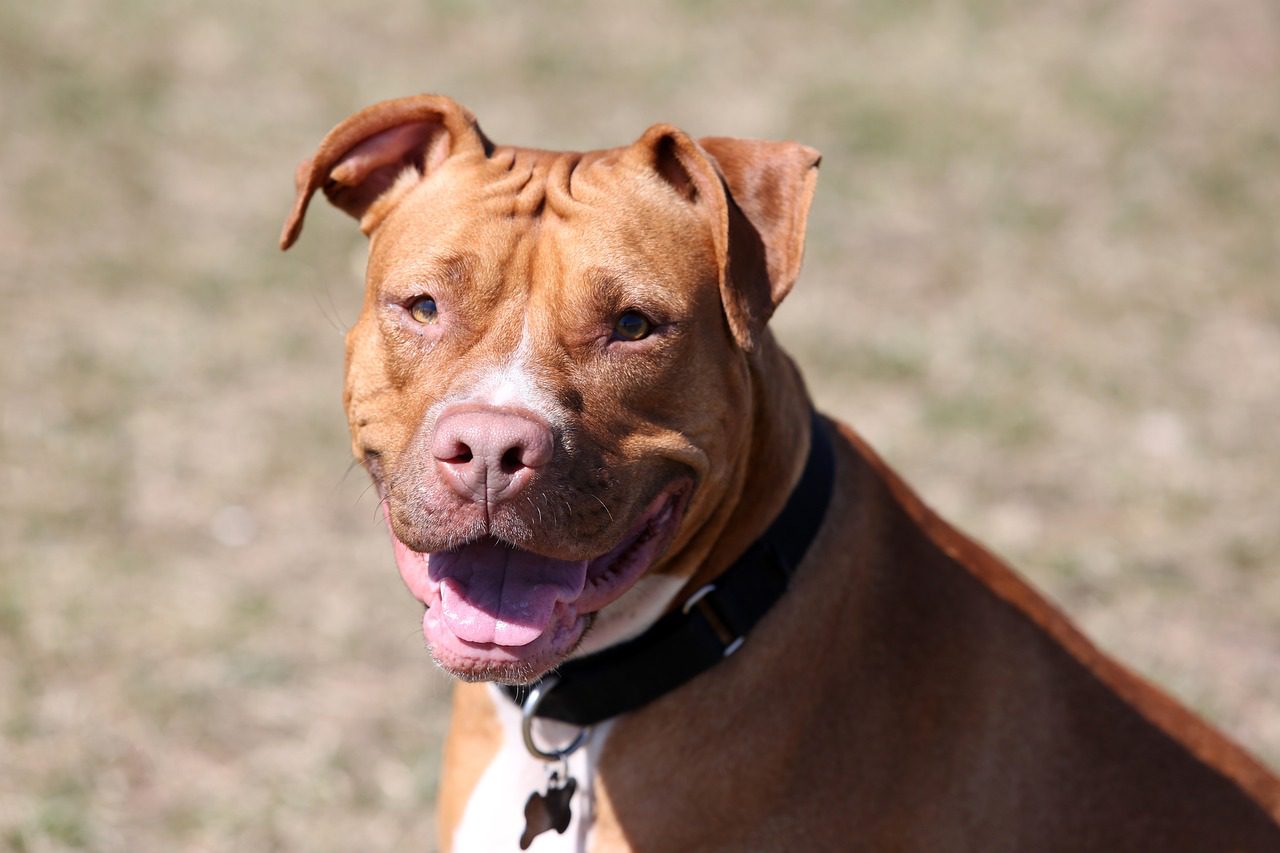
x,y
757,196
770,187
361,158
772,184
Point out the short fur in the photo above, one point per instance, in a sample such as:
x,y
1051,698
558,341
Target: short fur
x,y
909,691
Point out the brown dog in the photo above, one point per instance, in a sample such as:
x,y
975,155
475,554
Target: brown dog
x,y
602,477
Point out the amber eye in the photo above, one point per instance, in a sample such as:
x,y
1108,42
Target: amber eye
x,y
423,309
632,326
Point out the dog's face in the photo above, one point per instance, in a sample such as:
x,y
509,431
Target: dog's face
x,y
549,380
571,333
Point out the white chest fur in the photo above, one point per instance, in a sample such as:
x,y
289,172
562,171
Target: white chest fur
x,y
494,817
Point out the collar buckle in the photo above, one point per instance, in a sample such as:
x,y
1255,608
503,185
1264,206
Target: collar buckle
x,y
729,640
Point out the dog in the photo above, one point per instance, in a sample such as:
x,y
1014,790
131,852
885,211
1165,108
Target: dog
x,y
686,611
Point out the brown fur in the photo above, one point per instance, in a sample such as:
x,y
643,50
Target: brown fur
x,y
473,740
909,691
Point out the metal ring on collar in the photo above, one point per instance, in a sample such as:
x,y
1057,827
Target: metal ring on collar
x,y
530,708
696,597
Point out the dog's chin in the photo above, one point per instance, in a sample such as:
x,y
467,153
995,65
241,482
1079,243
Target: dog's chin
x,y
504,664
500,613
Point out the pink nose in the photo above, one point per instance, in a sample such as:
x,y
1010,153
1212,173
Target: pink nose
x,y
489,455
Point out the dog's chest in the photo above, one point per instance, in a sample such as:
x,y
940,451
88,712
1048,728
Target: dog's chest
x,y
494,818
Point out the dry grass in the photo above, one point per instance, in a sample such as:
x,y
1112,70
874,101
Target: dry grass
x,y
1043,277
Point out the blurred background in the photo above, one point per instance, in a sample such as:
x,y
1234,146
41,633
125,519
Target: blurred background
x,y
1043,277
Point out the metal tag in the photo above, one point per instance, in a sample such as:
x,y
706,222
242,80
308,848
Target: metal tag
x,y
550,810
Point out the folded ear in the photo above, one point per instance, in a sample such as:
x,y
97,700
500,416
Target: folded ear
x,y
756,197
770,187
360,159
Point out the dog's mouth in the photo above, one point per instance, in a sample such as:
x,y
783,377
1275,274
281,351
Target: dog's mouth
x,y
500,613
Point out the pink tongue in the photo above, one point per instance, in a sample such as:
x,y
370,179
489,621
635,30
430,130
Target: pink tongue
x,y
494,594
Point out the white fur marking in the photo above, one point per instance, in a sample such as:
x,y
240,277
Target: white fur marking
x,y
494,815
512,384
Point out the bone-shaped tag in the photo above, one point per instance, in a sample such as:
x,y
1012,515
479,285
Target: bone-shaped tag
x,y
548,811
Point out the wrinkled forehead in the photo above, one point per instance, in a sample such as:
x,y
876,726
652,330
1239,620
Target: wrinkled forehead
x,y
563,213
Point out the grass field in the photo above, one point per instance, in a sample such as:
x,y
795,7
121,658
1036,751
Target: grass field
x,y
1043,277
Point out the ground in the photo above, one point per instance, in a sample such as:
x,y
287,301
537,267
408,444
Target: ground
x,y
1043,277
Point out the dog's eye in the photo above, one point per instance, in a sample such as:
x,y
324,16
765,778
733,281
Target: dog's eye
x,y
423,309
632,326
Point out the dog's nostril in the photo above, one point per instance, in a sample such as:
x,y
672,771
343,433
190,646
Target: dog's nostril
x,y
461,455
512,460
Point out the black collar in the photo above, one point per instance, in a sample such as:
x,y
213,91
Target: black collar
x,y
710,626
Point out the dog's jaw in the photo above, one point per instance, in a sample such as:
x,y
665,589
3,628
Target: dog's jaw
x,y
497,613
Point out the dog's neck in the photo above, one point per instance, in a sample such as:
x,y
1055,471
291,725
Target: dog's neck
x,y
771,458
682,644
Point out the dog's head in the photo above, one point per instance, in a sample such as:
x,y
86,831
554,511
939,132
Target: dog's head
x,y
550,380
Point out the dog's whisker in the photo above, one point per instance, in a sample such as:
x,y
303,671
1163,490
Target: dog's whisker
x,y
602,504
364,492
330,311
346,472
